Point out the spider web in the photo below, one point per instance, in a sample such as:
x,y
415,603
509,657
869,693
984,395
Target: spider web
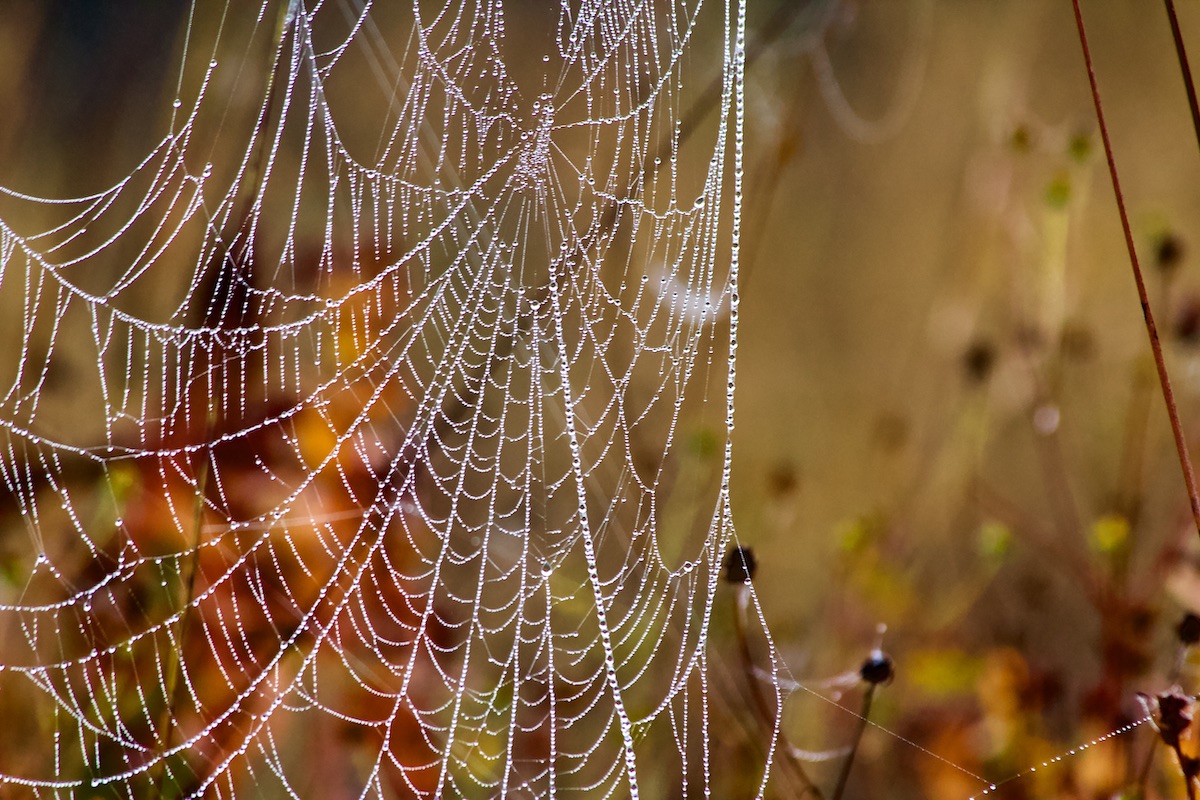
x,y
395,344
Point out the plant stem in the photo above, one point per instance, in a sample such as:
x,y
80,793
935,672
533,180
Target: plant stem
x,y
1144,774
1164,379
1181,53
765,715
844,776
1187,776
172,687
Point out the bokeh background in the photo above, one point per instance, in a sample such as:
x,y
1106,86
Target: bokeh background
x,y
947,418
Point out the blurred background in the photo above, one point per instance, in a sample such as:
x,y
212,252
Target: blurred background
x,y
948,421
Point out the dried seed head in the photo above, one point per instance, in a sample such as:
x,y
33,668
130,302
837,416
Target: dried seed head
x,y
1168,252
1021,140
877,668
1175,711
1188,629
1187,321
740,565
978,360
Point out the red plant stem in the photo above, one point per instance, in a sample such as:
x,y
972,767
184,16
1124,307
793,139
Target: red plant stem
x,y
1181,52
1160,364
1183,765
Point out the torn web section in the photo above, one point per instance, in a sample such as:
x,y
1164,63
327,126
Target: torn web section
x,y
419,451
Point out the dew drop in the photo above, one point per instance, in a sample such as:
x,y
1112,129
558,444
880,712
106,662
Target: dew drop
x,y
177,103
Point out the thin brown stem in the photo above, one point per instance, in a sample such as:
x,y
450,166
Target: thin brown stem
x,y
1160,364
863,715
1181,53
1143,779
1038,534
1189,778
173,688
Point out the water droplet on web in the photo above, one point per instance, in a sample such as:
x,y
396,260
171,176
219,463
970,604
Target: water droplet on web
x,y
456,218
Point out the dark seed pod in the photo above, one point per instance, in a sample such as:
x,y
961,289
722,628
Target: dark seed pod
x,y
1188,629
978,360
740,565
1175,711
1168,252
877,668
